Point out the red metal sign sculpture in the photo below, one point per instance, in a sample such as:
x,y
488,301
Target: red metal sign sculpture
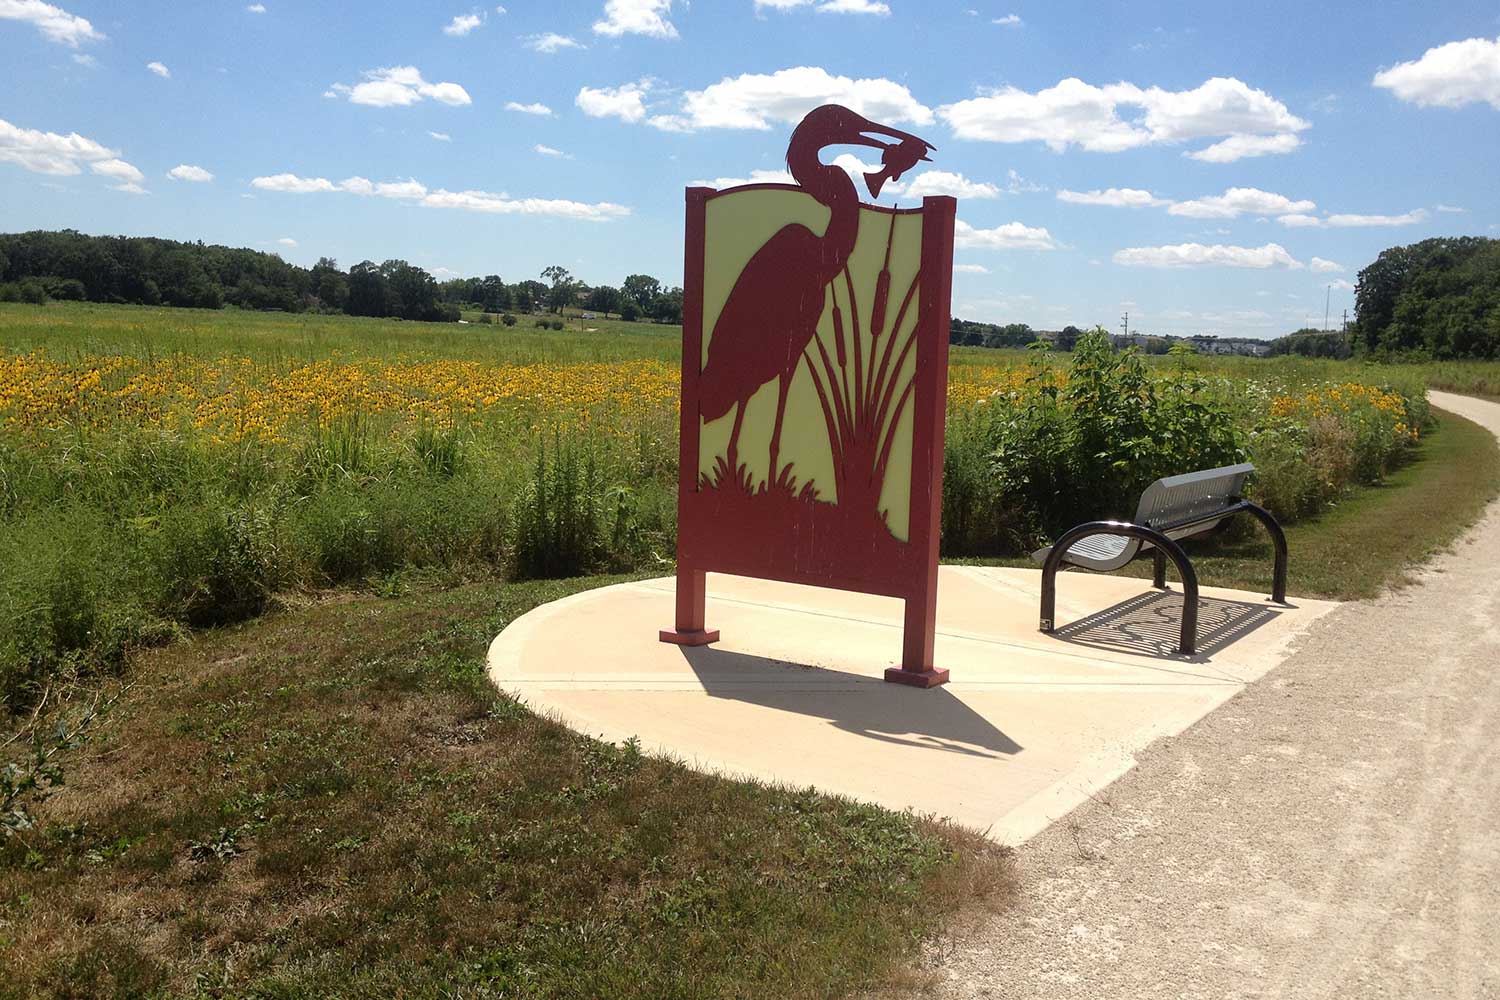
x,y
812,410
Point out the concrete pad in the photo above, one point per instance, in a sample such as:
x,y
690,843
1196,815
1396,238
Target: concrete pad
x,y
1030,725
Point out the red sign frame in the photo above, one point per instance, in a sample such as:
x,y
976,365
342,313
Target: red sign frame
x,y
713,538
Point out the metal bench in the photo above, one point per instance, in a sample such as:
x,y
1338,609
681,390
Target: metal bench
x,y
1170,509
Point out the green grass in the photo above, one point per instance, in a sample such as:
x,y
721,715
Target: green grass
x,y
334,802
1471,378
71,328
1371,538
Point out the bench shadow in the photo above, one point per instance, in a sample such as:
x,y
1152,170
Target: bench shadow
x,y
1149,624
865,706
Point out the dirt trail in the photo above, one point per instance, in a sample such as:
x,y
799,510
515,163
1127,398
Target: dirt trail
x,y
1333,831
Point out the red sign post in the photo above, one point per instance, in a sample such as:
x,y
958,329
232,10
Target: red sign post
x,y
815,327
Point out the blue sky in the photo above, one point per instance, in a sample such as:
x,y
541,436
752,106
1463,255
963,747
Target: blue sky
x,y
1210,168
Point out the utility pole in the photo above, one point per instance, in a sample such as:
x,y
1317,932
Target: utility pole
x,y
1346,321
1125,325
1327,298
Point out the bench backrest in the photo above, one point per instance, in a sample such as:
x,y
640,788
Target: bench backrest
x,y
1191,495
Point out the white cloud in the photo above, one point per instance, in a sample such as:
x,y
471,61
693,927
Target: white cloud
x,y
756,177
1321,266
943,182
1010,236
415,192
1448,76
190,173
1113,198
551,42
287,241
54,23
1240,147
875,7
256,8
1235,202
1340,285
1016,184
636,17
763,100
85,60
1197,255
528,109
1454,209
462,24
62,155
292,184
1008,21
970,269
626,102
549,151
1077,113
399,86
117,169
129,187
440,136
1351,221
159,70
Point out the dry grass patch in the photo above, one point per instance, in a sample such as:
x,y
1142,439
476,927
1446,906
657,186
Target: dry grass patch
x,y
334,802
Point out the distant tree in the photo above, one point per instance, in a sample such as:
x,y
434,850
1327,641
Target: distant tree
x,y
65,289
642,289
367,290
605,299
493,295
529,295
667,307
1440,297
629,311
1068,337
508,319
1312,343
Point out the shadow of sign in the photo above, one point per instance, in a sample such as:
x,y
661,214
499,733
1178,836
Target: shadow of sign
x,y
864,706
1148,624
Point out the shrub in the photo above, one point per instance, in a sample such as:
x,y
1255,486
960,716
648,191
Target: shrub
x,y
557,516
65,289
218,566
34,292
508,319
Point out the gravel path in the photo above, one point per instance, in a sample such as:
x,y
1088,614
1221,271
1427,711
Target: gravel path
x,y
1333,831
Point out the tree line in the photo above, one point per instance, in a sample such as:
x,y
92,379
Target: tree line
x,y
41,265
1439,298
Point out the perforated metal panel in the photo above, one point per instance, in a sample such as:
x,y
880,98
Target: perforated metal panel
x,y
1166,501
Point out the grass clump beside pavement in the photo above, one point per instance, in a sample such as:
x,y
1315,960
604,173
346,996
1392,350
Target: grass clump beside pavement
x,y
334,802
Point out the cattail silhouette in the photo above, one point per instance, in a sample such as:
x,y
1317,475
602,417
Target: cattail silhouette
x,y
882,287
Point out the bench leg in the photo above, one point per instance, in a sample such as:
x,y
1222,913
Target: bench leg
x,y
1159,574
1166,548
1187,641
1278,539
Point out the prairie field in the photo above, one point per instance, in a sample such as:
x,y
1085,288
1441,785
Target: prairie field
x,y
165,469
321,793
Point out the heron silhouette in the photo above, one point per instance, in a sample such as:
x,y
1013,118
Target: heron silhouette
x,y
772,313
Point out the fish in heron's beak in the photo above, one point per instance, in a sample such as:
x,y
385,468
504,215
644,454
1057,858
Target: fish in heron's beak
x,y
896,159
